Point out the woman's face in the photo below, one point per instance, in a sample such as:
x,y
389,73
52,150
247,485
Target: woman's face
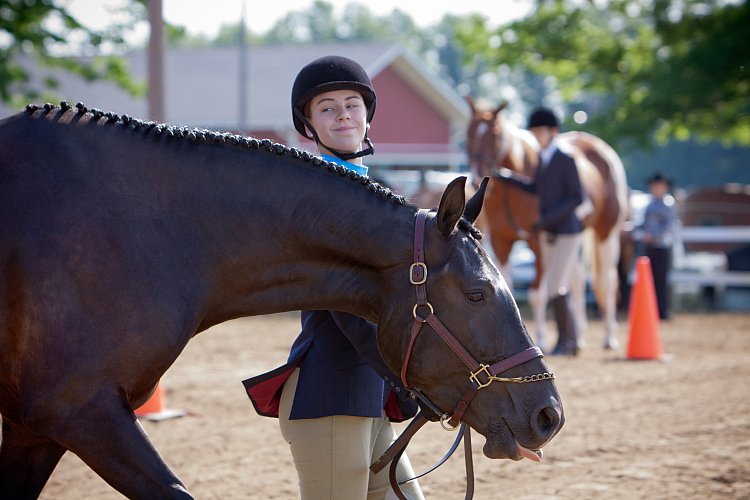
x,y
340,119
543,135
658,188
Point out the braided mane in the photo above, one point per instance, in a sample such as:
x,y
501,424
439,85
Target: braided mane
x,y
196,135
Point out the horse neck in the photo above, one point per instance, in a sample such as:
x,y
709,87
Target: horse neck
x,y
287,235
522,153
219,230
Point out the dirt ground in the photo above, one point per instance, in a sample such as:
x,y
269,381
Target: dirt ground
x,y
634,429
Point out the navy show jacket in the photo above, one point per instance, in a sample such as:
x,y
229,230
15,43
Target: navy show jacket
x,y
559,189
341,373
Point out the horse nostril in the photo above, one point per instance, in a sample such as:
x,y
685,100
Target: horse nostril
x,y
546,422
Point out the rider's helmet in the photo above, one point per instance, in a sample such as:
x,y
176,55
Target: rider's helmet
x,y
543,117
324,75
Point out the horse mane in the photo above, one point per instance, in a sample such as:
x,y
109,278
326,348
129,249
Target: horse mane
x,y
226,139
524,148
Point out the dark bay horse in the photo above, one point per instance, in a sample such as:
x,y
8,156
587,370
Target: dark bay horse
x,y
494,142
120,240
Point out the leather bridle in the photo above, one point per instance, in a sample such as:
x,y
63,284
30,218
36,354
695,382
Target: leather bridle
x,y
480,375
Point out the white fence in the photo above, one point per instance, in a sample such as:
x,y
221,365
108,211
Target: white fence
x,y
717,234
708,269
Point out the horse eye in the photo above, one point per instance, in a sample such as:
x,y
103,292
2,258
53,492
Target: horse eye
x,y
475,296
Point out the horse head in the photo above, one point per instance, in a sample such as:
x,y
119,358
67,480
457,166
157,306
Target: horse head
x,y
481,153
465,324
494,142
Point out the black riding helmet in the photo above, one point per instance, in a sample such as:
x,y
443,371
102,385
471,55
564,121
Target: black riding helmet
x,y
324,75
543,117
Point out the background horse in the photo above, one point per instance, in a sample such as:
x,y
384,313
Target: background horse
x,y
493,142
120,240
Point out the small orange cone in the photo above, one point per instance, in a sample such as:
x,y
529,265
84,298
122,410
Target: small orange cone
x,y
644,341
155,408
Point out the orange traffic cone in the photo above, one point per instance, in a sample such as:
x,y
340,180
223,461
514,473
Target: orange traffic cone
x,y
155,408
644,342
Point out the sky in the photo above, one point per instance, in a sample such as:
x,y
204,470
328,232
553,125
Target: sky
x,y
207,16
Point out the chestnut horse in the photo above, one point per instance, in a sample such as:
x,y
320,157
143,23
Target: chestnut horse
x,y
493,142
120,240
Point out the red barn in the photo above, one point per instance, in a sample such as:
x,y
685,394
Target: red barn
x,y
419,124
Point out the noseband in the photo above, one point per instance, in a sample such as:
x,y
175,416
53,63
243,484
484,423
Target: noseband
x,y
480,375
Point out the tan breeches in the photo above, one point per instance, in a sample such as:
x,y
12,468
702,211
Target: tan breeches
x,y
559,261
333,454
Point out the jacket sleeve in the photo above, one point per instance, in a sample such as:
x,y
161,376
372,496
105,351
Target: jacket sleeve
x,y
363,336
571,183
510,177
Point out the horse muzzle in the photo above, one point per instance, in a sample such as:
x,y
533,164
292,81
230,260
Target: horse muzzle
x,y
524,439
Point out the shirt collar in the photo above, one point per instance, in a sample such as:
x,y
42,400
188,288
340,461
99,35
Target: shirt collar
x,y
546,153
360,169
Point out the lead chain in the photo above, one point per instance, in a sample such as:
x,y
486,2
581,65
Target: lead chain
x,y
537,377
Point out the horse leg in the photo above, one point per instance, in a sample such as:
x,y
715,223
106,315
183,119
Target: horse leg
x,y
538,302
577,289
26,462
607,256
538,296
577,284
107,436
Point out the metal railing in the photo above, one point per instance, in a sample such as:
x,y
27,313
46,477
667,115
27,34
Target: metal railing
x,y
715,273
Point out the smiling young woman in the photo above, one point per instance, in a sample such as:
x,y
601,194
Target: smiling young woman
x,y
335,398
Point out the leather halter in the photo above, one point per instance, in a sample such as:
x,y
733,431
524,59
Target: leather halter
x,y
480,375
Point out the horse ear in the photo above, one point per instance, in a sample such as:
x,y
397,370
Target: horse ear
x,y
500,107
474,205
451,206
470,102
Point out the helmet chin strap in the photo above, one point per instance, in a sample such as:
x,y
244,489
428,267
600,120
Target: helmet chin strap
x,y
370,149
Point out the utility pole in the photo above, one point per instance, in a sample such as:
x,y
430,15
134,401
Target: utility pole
x,y
156,106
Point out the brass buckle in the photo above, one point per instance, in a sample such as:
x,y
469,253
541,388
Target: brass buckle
x,y
474,377
418,265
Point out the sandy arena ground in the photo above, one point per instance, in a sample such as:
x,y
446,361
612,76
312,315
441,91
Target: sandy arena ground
x,y
635,429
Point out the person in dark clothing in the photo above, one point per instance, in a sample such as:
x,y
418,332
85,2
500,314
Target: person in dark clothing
x,y
558,187
658,237
335,398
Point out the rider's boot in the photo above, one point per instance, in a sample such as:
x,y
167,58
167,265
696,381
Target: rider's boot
x,y
567,341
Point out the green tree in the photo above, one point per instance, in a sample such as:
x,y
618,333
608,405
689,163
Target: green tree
x,y
44,32
318,23
645,71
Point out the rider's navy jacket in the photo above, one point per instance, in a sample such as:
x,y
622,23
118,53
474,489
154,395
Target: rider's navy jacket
x,y
341,372
560,192
338,356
